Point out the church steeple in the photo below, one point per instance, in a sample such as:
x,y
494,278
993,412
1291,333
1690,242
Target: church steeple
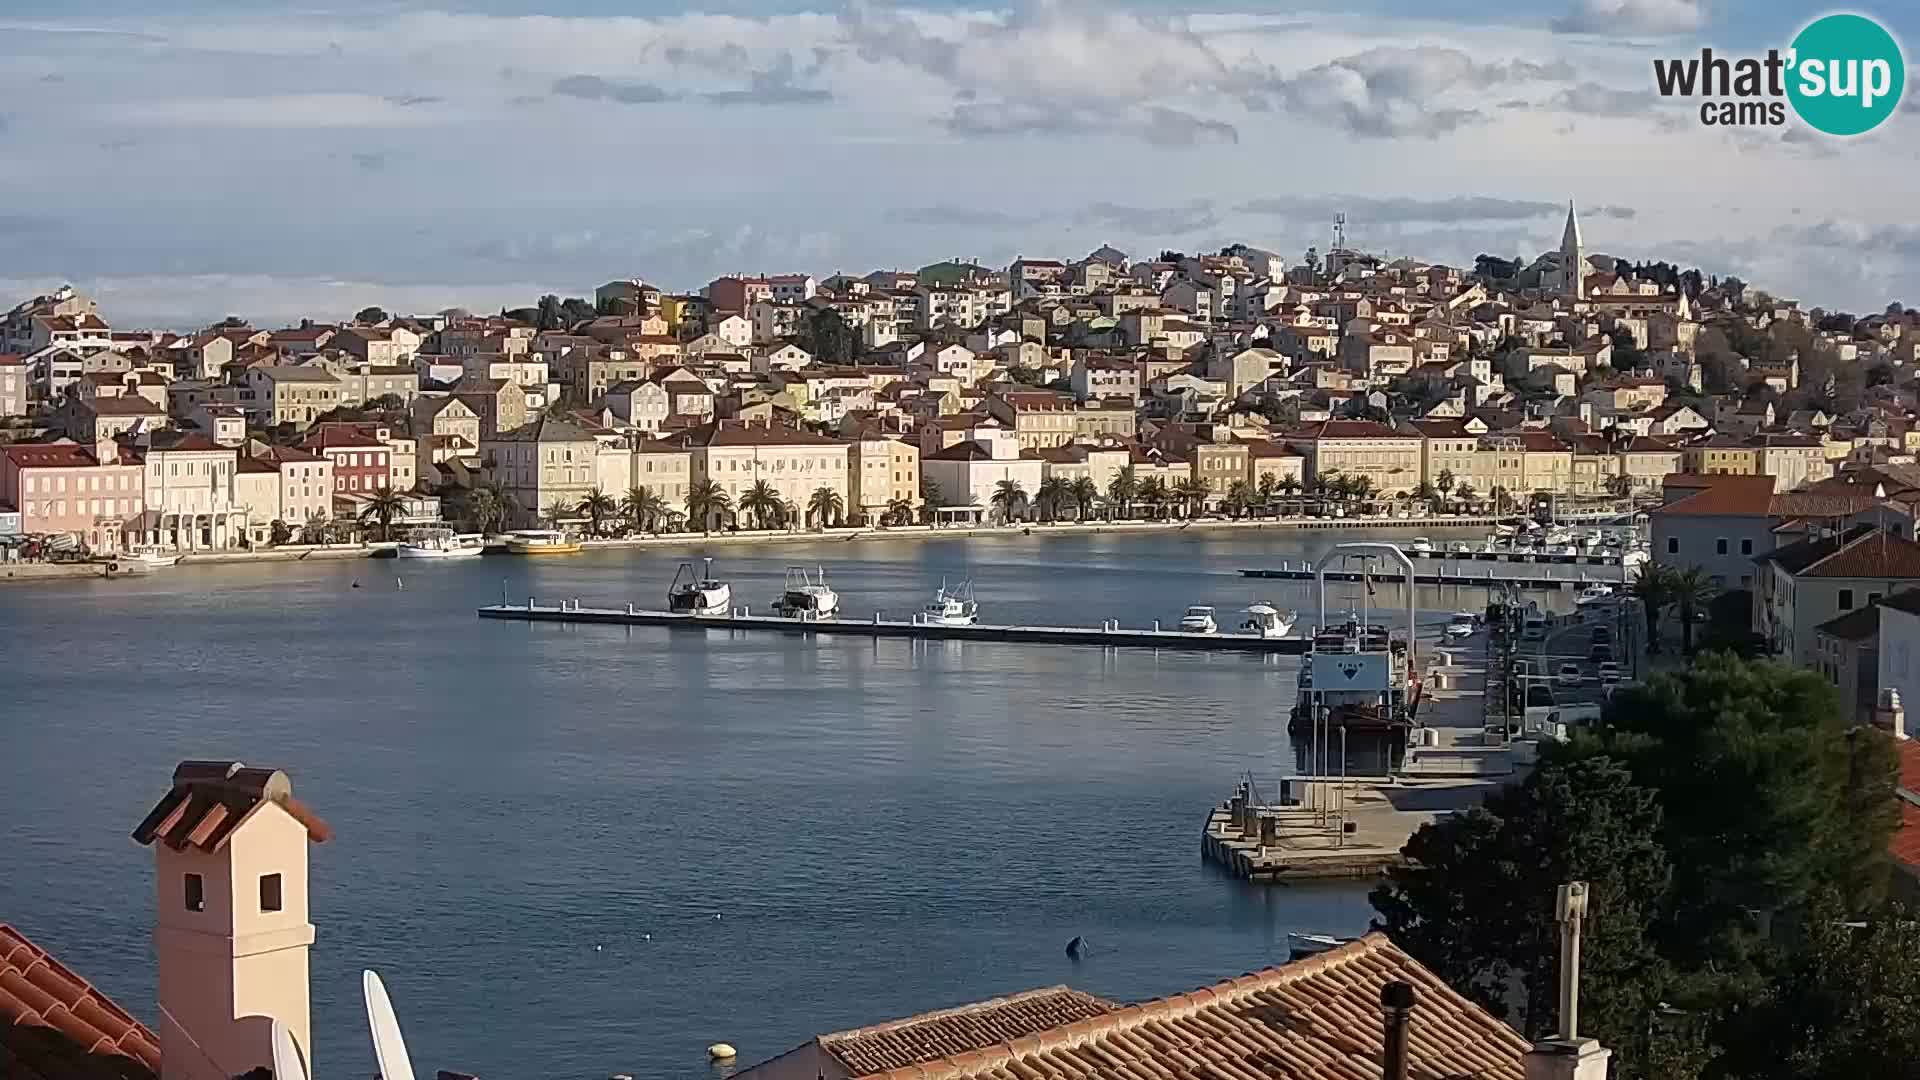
x,y
1573,262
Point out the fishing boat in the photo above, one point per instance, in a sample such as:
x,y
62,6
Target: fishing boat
x,y
152,557
542,542
1268,621
951,606
437,542
807,595
1198,620
698,592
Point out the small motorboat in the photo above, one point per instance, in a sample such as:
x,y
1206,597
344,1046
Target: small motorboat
x,y
1198,620
152,557
440,543
952,606
1267,621
1301,946
1594,594
698,592
807,596
1462,625
1420,546
542,542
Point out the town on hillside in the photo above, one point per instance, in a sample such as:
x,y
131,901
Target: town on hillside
x,y
1172,386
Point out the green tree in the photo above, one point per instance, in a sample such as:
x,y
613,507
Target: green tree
x,y
282,533
1154,495
899,512
382,508
1085,494
1009,500
643,508
1050,497
558,511
1121,491
1476,901
1620,485
1425,493
489,506
1652,587
370,315
1445,482
827,336
1691,593
600,509
825,507
763,504
1466,493
550,314
707,502
1268,491
930,498
1240,498
1192,495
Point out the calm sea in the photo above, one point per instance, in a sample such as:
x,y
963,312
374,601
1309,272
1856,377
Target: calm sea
x,y
579,851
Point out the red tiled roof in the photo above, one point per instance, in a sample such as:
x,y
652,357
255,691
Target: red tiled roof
x,y
209,798
1737,496
61,455
330,438
1315,1018
900,1044
55,1025
1904,844
1348,429
748,433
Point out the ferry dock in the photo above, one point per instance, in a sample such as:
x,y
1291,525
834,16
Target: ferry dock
x,y
1108,635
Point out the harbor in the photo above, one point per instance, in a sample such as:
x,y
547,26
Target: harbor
x,y
1526,557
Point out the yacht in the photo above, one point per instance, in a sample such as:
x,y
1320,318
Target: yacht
x,y
1198,620
1420,546
1594,594
952,606
542,542
807,596
1268,621
696,592
440,543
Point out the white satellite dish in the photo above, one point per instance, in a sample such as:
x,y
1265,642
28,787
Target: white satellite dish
x,y
389,1049
287,1063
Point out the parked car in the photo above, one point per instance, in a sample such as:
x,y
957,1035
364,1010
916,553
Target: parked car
x,y
1600,653
1569,675
1609,673
1602,635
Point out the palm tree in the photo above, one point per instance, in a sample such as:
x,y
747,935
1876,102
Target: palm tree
x,y
558,511
1362,488
1690,595
385,505
483,509
1466,492
1240,497
762,502
1653,587
1050,497
1289,486
1424,492
1009,499
1498,496
315,529
929,498
899,512
1268,490
825,507
1445,483
1084,493
1122,490
1153,492
707,500
1193,494
599,508
643,508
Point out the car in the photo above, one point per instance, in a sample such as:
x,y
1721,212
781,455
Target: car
x,y
1602,635
1569,675
1609,673
1600,653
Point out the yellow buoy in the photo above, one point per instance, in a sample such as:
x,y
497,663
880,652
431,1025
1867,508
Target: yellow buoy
x,y
721,1052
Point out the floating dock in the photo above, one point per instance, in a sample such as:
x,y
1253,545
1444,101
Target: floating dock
x,y
1542,576
1111,635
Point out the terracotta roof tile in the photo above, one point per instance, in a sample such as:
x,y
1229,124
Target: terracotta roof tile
x,y
210,798
54,1024
961,1032
1904,845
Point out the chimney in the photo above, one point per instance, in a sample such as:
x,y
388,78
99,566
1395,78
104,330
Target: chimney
x,y
1396,1005
1889,715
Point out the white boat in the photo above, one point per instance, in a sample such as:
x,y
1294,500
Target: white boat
x,y
1421,546
1594,594
1268,621
1198,620
1301,946
542,542
807,596
698,592
1460,547
152,557
1462,624
440,543
951,606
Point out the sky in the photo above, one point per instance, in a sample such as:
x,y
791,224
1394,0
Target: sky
x,y
189,159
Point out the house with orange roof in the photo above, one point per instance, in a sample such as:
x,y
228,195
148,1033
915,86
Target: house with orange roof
x,y
1806,585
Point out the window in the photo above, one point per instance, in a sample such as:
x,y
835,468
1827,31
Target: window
x,y
1746,547
196,893
1673,545
269,892
1846,599
1720,546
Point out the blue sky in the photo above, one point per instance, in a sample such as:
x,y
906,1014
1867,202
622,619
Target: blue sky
x,y
190,158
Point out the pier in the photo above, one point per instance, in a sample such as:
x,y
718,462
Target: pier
x,y
1546,574
1108,635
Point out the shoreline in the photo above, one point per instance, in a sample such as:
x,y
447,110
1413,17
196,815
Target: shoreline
x,y
23,573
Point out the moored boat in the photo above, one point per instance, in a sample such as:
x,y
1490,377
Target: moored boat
x,y
951,606
1267,621
807,596
152,557
434,542
1198,620
698,592
541,542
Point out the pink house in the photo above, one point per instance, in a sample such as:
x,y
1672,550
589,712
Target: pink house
x,y
64,487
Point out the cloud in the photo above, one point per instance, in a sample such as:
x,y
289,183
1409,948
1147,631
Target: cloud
x,y
408,100
1196,216
1393,90
774,85
1157,125
960,216
368,162
1620,17
1593,99
1404,211
595,88
1902,241
273,113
